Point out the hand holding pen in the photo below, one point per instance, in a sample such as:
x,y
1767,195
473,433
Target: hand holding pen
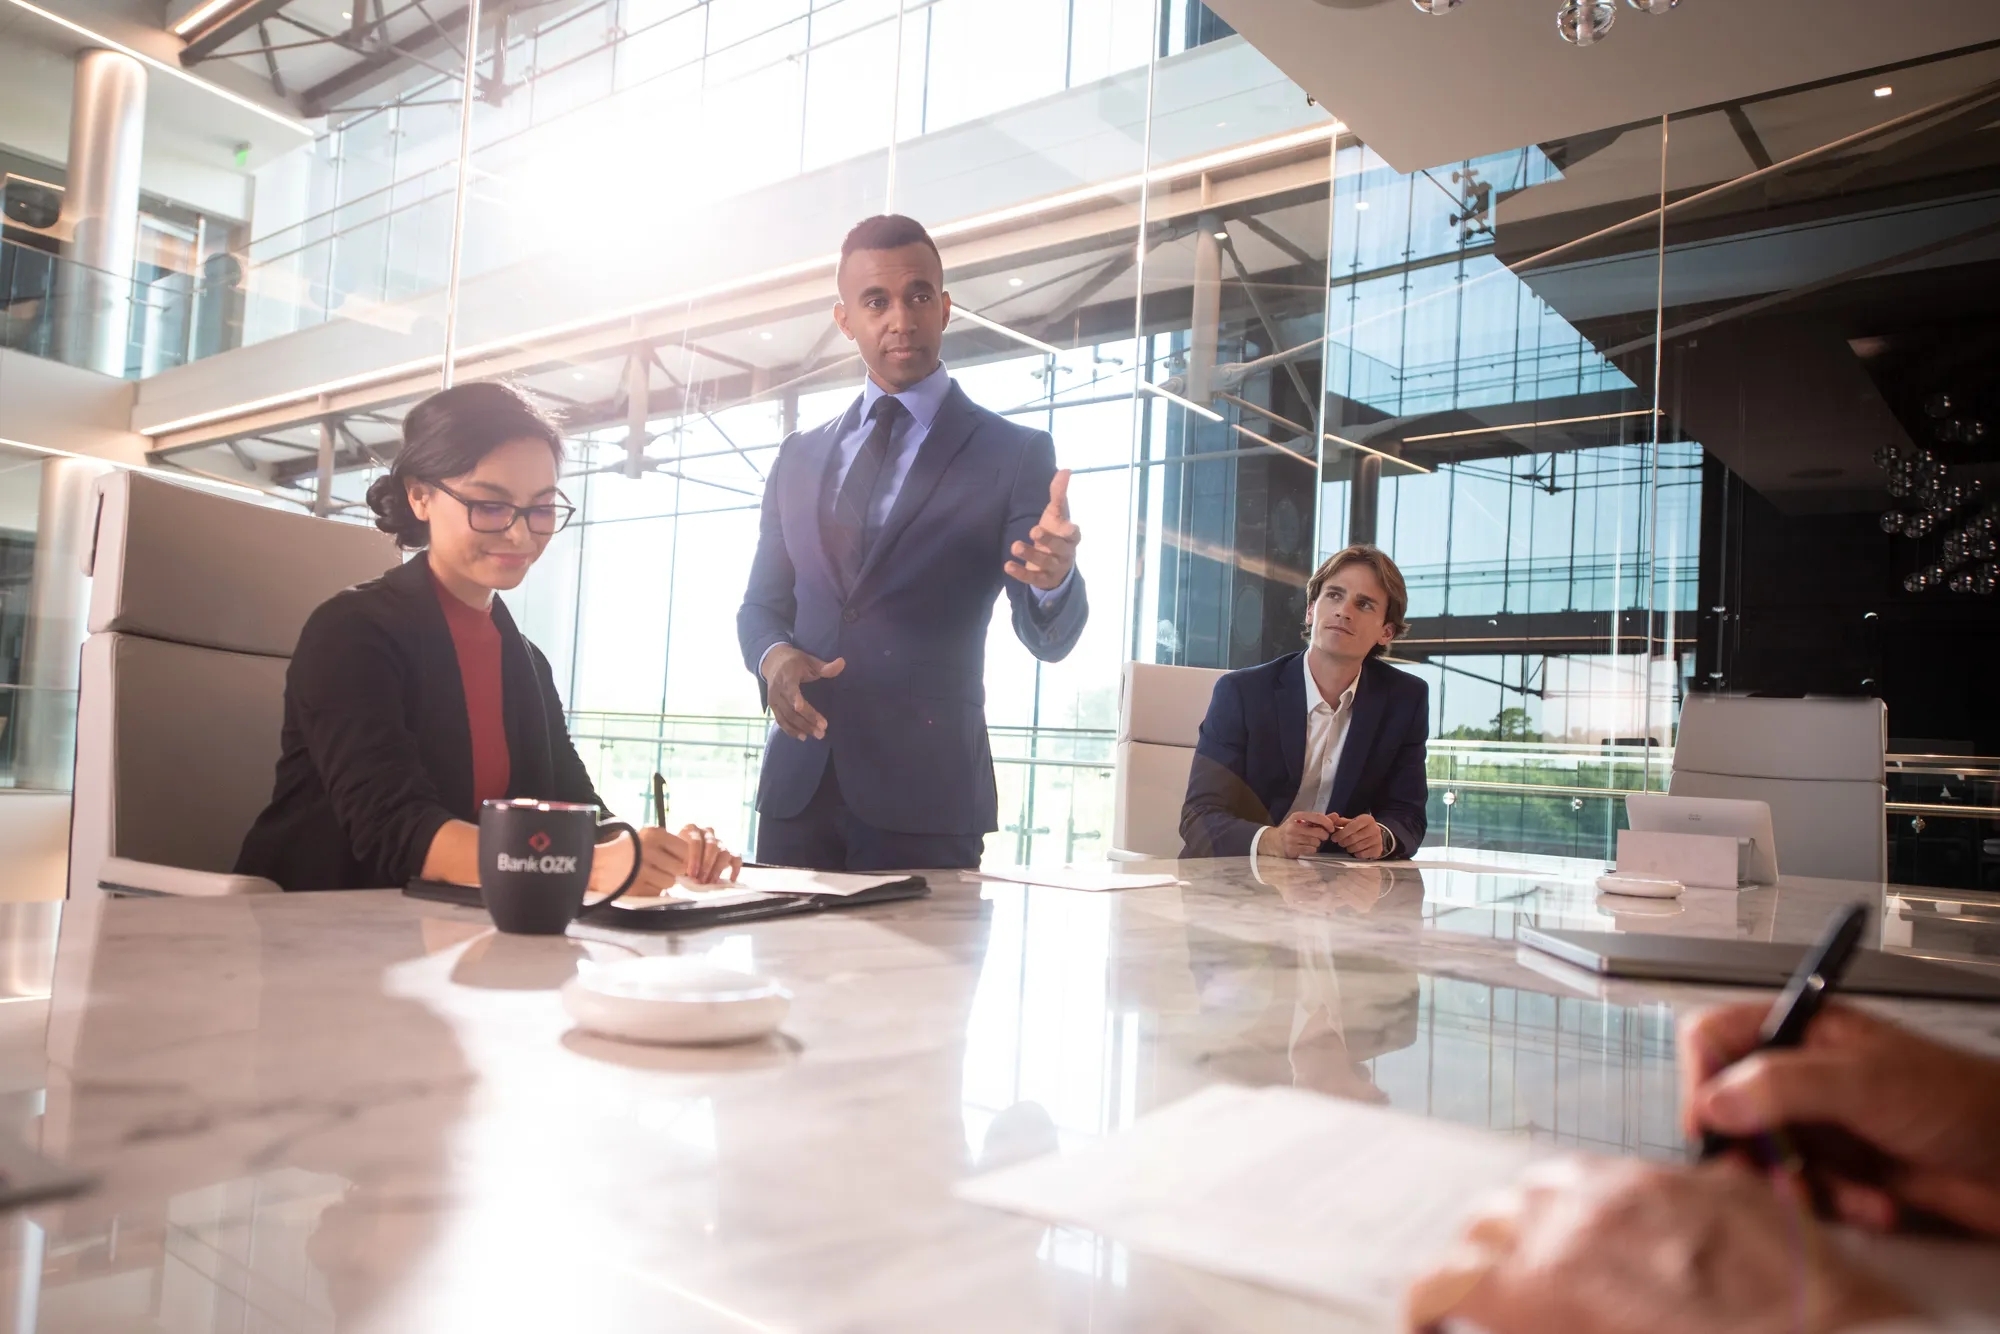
x,y
1914,1125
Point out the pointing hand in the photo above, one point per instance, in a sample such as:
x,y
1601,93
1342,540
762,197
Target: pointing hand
x,y
1049,554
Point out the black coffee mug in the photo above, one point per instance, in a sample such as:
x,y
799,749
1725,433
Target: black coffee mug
x,y
534,862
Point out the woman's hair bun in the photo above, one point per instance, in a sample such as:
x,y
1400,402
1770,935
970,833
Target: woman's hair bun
x,y
389,499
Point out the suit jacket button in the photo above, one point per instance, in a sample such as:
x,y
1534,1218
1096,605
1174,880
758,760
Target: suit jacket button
x,y
850,615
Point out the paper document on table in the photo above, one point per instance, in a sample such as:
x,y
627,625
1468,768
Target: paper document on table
x,y
1334,1200
794,880
1091,878
709,896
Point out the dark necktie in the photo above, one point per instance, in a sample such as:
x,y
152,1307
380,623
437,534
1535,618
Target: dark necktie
x,y
847,535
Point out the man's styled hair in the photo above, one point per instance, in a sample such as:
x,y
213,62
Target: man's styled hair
x,y
1385,569
886,231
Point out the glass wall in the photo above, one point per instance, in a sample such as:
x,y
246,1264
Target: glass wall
x,y
1253,338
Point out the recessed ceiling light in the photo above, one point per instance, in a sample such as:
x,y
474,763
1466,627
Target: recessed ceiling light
x,y
1361,205
1884,90
576,375
1222,236
765,334
1015,282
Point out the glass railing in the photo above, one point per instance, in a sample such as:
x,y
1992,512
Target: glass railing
x,y
128,326
37,738
1944,821
1534,796
1057,792
1055,784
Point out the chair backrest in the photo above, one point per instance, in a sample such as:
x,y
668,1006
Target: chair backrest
x,y
195,606
1817,762
1159,717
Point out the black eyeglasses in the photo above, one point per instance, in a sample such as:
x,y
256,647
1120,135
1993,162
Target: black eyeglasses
x,y
497,516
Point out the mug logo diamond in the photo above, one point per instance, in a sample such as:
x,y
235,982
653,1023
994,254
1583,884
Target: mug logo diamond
x,y
539,841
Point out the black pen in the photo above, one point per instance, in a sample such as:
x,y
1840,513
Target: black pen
x,y
1818,973
659,801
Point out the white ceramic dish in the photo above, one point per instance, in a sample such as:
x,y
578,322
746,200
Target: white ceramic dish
x,y
1639,886
674,1000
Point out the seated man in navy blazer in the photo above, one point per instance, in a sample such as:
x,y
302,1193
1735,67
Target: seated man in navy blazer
x,y
887,535
1321,750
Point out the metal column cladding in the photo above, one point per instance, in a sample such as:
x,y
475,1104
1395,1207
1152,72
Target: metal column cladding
x,y
100,216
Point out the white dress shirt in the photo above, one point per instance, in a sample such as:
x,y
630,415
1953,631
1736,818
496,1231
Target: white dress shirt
x,y
1326,737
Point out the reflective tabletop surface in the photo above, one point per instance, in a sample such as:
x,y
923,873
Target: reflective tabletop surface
x,y
358,1111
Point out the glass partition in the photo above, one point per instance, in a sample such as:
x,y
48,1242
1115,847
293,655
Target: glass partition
x,y
1253,338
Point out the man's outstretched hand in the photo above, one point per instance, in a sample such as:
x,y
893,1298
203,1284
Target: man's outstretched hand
x,y
786,669
1049,554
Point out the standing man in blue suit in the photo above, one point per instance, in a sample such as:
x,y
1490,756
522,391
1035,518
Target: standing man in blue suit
x,y
1321,750
886,536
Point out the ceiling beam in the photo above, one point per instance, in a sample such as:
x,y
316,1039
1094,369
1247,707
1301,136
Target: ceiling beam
x,y
204,42
384,62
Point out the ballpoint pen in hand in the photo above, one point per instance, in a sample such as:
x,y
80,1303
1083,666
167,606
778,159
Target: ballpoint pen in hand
x,y
1793,1010
659,801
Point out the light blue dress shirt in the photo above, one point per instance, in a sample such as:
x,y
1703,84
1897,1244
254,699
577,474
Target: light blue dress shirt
x,y
921,402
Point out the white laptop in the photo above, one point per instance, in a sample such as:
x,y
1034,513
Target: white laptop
x,y
1749,822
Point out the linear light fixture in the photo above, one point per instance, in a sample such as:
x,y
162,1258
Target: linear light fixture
x,y
50,451
1282,449
1529,426
1147,386
1125,184
201,14
1369,449
99,39
975,317
798,269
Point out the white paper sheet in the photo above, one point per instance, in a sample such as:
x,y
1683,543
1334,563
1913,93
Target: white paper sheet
x,y
790,880
1335,1200
1090,878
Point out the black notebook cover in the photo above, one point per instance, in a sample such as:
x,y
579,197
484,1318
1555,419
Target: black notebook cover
x,y
683,916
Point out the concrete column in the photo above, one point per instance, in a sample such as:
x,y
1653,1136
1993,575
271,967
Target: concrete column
x,y
327,458
107,126
58,610
1364,494
1207,322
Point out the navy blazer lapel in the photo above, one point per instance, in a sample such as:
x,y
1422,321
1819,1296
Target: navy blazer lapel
x,y
816,457
1371,705
949,431
1292,720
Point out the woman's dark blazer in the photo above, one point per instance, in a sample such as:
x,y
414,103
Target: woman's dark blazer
x,y
377,749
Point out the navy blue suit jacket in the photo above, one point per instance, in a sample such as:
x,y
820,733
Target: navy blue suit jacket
x,y
906,718
1249,759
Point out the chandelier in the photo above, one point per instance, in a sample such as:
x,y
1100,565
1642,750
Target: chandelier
x,y
1580,22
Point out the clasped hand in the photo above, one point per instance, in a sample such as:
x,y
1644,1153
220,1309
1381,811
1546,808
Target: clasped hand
x,y
1303,833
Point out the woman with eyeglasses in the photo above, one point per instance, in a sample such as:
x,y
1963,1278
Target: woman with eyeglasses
x,y
411,699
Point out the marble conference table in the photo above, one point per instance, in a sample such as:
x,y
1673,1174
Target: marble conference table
x,y
362,1112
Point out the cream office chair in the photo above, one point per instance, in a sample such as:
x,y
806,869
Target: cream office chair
x,y
195,606
1817,762
1159,716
